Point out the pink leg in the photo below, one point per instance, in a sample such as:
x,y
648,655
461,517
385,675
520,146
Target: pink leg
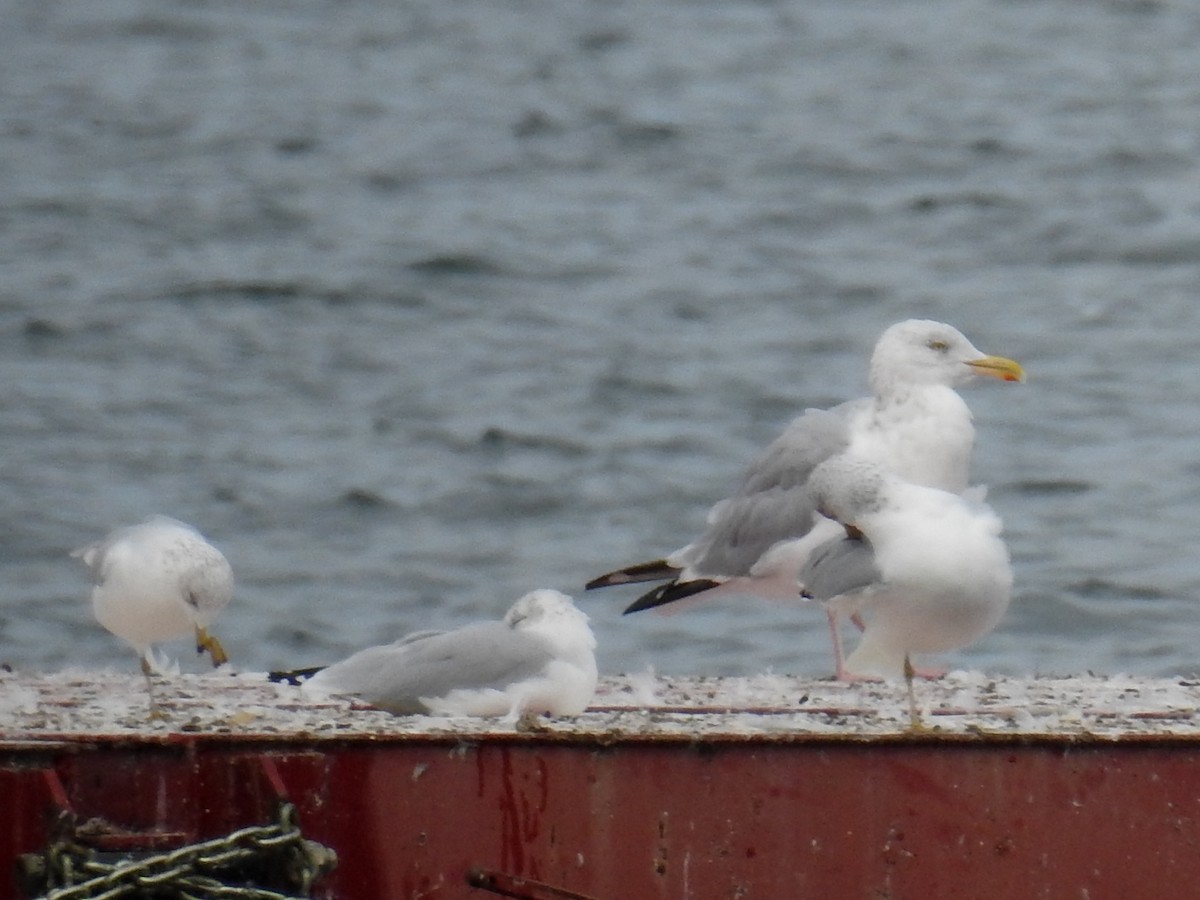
x,y
931,674
858,622
838,658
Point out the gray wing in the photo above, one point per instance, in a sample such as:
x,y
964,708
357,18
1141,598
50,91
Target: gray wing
x,y
95,554
431,664
839,567
773,503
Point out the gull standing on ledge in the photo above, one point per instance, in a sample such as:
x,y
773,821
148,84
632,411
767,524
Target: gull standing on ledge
x,y
157,581
914,425
540,658
925,570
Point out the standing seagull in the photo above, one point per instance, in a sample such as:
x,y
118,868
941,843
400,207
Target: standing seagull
x,y
926,569
914,425
540,658
156,581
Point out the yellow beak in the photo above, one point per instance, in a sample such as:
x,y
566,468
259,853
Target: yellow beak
x,y
998,367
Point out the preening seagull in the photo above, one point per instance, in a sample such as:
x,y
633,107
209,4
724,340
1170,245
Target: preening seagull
x,y
914,425
157,581
540,658
925,570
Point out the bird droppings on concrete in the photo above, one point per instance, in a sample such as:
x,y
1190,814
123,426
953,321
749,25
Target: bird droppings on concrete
x,y
78,704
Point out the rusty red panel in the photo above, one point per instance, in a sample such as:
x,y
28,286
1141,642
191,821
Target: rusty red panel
x,y
778,820
26,816
722,819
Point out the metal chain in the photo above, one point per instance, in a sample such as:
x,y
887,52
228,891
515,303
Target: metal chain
x,y
189,872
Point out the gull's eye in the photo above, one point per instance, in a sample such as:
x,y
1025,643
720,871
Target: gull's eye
x,y
939,345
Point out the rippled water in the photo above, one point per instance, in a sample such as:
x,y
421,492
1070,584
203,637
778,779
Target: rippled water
x,y
414,307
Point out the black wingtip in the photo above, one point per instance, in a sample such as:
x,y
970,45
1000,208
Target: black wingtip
x,y
294,676
669,593
655,570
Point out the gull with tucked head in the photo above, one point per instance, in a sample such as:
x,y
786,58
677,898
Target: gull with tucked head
x,y
540,658
914,425
924,570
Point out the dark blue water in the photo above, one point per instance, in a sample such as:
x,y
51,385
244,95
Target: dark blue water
x,y
414,307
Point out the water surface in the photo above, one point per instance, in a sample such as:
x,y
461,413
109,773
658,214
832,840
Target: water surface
x,y
414,307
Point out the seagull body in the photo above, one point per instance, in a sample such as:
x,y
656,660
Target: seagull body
x,y
540,658
924,570
157,581
914,425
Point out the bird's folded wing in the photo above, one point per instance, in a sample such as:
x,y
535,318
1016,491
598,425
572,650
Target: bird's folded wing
x,y
839,567
773,502
431,664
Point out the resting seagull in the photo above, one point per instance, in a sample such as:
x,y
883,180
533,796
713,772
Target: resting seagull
x,y
914,425
925,569
540,658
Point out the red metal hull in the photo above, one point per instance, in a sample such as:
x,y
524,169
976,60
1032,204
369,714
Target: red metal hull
x,y
923,817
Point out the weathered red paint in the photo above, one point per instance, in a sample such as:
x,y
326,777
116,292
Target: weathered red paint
x,y
724,818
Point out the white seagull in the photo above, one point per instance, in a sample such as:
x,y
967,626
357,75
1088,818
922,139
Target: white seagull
x,y
914,425
540,658
924,570
157,581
